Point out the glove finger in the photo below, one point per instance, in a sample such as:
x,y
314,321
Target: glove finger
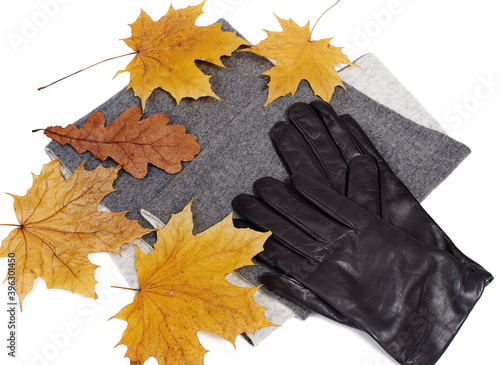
x,y
279,257
394,194
314,132
294,291
346,145
302,214
330,202
393,191
363,184
257,212
242,223
295,153
274,254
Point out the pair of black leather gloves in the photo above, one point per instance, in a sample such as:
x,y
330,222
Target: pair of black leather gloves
x,y
351,242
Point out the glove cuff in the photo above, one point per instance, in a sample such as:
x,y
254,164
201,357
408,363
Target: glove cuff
x,y
445,323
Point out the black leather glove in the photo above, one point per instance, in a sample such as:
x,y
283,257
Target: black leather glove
x,y
409,295
320,144
335,151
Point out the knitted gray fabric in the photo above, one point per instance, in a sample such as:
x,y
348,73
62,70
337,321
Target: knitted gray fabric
x,y
236,149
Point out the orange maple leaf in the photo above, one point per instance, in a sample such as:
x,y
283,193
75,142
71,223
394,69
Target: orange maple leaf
x,y
167,50
300,58
59,225
183,289
131,142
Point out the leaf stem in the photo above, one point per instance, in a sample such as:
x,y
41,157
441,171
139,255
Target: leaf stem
x,y
121,287
86,68
37,130
11,225
314,26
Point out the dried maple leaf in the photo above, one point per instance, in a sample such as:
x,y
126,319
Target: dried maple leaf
x,y
59,225
300,58
183,289
131,142
166,51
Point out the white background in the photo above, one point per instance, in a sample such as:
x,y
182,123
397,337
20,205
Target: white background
x,y
443,51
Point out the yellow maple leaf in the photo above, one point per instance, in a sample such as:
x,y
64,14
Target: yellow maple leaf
x,y
300,58
167,50
183,289
59,225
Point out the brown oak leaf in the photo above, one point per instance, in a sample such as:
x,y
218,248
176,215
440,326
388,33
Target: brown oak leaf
x,y
59,225
183,289
167,50
131,142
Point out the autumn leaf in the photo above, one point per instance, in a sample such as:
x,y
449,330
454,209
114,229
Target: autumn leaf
x,y
300,58
167,50
59,225
183,289
131,142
